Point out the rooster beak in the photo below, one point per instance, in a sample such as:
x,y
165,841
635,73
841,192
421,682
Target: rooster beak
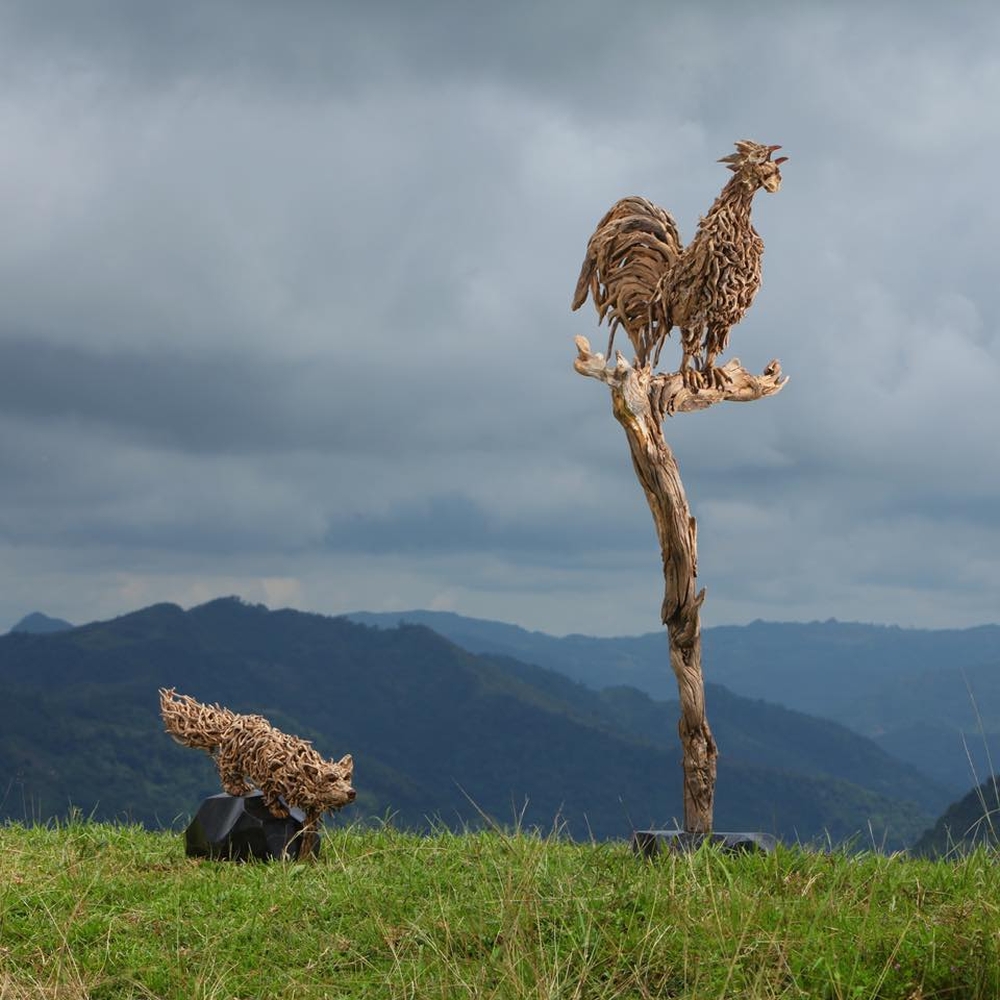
x,y
780,159
771,149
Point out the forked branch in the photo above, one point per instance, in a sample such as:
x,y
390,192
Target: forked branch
x,y
666,393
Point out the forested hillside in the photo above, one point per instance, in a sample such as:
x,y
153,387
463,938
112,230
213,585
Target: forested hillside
x,y
972,821
438,734
929,697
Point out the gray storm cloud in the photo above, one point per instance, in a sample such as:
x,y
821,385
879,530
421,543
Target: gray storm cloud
x,y
286,308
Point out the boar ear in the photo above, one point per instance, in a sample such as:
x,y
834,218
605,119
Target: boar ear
x,y
346,763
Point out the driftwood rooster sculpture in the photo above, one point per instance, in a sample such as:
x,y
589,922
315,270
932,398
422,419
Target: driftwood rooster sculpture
x,y
643,280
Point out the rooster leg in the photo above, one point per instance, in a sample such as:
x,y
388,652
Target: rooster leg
x,y
690,345
662,331
692,377
656,353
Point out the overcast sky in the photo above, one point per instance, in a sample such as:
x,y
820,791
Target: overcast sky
x,y
285,287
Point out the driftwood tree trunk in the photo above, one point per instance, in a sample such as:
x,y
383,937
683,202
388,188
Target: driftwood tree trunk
x,y
640,401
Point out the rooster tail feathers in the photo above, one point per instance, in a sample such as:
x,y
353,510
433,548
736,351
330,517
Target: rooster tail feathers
x,y
585,280
635,244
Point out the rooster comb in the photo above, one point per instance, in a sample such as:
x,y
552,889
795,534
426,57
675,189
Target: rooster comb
x,y
750,153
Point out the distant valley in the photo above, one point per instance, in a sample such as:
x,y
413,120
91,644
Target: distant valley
x,y
928,697
440,734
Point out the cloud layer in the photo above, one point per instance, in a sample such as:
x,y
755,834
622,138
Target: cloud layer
x,y
286,308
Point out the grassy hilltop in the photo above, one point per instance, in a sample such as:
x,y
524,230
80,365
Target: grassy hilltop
x,y
99,911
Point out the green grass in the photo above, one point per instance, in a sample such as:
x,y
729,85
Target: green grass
x,y
90,910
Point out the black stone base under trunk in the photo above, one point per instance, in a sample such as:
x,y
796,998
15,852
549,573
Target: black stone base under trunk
x,y
241,828
649,843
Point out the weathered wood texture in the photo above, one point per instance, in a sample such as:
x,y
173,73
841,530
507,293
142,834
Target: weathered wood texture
x,y
640,401
642,279
250,753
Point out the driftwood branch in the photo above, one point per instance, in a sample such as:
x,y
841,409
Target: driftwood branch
x,y
665,393
643,280
640,400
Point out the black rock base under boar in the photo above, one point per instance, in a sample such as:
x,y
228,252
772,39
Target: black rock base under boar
x,y
241,828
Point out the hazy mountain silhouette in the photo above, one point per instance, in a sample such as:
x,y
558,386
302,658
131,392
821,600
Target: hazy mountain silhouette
x,y
40,624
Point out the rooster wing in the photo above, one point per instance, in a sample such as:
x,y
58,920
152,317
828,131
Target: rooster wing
x,y
633,247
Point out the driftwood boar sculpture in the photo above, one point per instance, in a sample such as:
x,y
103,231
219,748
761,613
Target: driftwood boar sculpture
x,y
250,753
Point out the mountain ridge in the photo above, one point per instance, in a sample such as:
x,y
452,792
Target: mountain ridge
x,y
40,624
930,697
